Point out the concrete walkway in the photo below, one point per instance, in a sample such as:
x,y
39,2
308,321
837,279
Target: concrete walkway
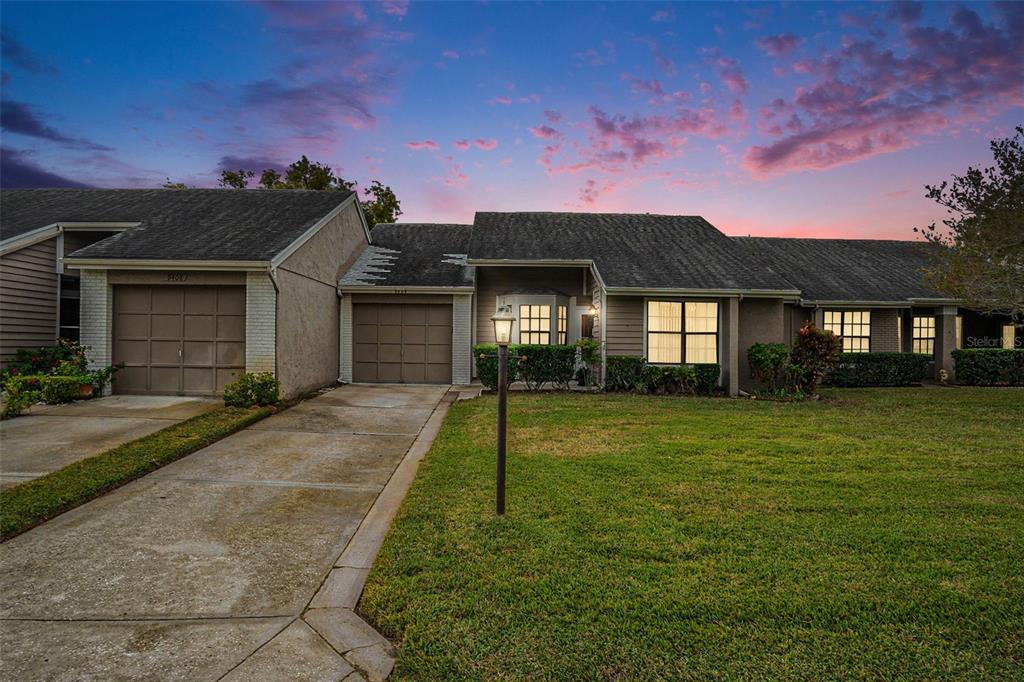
x,y
49,437
241,561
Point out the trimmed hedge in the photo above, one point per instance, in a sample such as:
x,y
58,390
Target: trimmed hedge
x,y
59,389
989,366
878,369
253,388
628,373
535,364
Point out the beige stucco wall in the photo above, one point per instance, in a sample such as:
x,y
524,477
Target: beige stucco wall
x,y
762,320
28,298
307,304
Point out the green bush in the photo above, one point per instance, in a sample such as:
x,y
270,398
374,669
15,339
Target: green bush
x,y
989,366
626,373
20,393
486,356
257,388
634,374
58,389
590,357
814,354
543,364
66,357
878,369
771,366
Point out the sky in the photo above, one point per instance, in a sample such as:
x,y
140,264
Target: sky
x,y
779,119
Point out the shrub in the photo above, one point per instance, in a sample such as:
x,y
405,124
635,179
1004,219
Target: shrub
x,y
707,376
20,393
589,353
814,354
771,366
878,369
989,366
541,364
56,389
670,380
49,359
626,373
258,388
486,356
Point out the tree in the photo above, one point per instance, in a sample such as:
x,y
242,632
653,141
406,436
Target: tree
x,y
979,257
313,175
174,185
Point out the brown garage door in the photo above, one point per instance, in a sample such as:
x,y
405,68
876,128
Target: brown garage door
x,y
184,340
402,342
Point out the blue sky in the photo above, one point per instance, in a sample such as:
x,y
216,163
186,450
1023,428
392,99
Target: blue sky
x,y
797,118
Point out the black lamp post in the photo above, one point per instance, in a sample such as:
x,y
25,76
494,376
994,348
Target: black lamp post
x,y
503,319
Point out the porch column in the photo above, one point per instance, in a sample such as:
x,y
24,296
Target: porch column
x,y
945,340
731,346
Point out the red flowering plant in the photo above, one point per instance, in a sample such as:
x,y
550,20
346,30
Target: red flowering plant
x,y
814,354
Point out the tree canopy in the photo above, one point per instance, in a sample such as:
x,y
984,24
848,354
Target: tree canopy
x,y
981,259
380,204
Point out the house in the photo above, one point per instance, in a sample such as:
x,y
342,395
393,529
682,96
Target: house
x,y
672,289
187,288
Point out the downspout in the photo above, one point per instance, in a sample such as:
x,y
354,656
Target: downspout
x,y
341,332
272,273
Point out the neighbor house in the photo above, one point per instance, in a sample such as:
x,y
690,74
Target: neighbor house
x,y
188,288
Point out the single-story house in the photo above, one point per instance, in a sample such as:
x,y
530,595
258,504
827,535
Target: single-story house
x,y
187,288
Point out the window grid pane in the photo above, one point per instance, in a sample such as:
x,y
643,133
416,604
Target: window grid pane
x,y
854,326
535,324
924,335
664,316
562,324
701,348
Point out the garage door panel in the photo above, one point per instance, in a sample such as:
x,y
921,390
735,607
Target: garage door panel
x,y
231,328
200,300
389,352
178,339
230,353
198,353
200,326
439,353
132,352
198,380
165,326
132,325
394,342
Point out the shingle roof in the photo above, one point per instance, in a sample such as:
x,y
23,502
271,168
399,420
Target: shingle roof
x,y
629,250
189,224
413,254
846,269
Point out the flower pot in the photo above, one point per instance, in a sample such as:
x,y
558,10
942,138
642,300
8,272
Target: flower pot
x,y
85,391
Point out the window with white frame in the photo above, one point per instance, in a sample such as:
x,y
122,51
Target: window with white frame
x,y
535,324
854,326
680,332
563,324
924,335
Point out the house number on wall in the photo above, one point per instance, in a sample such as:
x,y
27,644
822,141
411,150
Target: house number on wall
x,y
177,276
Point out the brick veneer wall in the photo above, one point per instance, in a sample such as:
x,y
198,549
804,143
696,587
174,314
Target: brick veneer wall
x,y
260,323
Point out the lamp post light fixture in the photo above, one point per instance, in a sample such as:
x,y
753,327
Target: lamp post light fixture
x,y
503,320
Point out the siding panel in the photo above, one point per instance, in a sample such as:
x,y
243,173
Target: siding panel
x,y
624,322
28,298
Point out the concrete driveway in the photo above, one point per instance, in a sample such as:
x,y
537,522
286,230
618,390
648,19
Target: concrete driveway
x,y
190,571
50,437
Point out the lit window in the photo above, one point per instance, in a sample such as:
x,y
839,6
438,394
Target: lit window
x,y
664,332
678,332
563,320
535,324
701,332
924,335
853,326
1009,331
959,331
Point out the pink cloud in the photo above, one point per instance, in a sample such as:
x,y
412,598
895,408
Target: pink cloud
x,y
461,145
396,8
552,116
486,145
594,56
450,54
730,72
779,45
867,100
501,99
545,132
425,144
661,59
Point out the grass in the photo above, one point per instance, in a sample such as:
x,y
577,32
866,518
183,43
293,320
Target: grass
x,y
29,504
878,534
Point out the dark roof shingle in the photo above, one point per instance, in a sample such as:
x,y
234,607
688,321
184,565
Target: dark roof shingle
x,y
411,254
189,224
629,250
846,269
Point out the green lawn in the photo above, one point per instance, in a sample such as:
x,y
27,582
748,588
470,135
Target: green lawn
x,y
28,504
877,534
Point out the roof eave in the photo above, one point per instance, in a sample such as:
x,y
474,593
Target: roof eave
x,y
399,289
164,264
792,294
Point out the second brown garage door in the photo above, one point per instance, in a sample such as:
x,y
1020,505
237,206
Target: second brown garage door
x,y
178,340
402,342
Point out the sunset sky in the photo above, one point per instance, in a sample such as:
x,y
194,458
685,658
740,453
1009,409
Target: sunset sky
x,y
771,119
